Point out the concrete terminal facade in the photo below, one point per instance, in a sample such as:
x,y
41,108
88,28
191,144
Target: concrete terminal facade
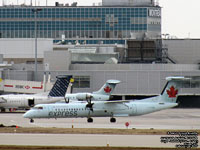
x,y
136,79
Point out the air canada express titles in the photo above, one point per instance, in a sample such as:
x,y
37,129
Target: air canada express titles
x,y
65,113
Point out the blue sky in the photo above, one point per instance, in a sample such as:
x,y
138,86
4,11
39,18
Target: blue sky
x,y
180,18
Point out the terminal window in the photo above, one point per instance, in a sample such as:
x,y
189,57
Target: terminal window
x,y
191,85
81,81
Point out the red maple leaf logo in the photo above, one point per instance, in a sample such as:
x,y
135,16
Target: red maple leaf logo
x,y
107,89
172,92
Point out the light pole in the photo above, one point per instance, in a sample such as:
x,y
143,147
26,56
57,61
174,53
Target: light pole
x,y
35,11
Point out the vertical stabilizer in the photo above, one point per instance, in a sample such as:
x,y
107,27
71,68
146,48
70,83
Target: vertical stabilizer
x,y
108,87
172,88
60,87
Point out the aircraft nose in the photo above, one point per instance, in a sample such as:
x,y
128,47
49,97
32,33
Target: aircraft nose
x,y
27,115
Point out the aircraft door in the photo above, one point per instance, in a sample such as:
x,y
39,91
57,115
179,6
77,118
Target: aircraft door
x,y
31,102
134,109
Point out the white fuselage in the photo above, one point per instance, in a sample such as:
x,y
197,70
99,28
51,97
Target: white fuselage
x,y
25,100
86,96
100,109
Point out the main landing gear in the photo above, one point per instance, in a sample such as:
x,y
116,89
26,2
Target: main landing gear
x,y
90,104
89,120
66,100
3,110
112,120
31,121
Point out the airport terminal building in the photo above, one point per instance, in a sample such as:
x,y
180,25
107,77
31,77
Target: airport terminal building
x,y
110,23
119,39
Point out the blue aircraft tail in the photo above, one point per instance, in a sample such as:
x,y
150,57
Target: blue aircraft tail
x,y
60,87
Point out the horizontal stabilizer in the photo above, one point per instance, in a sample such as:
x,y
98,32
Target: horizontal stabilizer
x,y
184,78
194,78
113,81
176,78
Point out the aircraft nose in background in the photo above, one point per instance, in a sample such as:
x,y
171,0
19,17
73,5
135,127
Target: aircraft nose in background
x,y
27,114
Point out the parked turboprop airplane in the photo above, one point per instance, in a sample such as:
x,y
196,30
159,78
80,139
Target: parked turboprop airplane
x,y
166,99
102,95
57,93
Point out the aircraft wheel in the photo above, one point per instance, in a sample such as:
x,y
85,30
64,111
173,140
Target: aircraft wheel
x,y
113,120
90,120
31,121
67,100
3,110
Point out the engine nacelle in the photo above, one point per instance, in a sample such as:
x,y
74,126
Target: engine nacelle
x,y
83,96
87,96
98,97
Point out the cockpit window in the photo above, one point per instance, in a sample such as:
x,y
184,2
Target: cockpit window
x,y
38,108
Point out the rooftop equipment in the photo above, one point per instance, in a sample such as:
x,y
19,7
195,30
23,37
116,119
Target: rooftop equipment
x,y
128,2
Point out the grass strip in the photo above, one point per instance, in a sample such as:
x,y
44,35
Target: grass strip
x,y
4,147
40,130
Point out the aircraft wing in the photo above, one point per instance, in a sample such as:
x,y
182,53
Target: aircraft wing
x,y
120,115
120,101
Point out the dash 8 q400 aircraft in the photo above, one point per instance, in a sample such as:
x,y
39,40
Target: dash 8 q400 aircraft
x,y
112,109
